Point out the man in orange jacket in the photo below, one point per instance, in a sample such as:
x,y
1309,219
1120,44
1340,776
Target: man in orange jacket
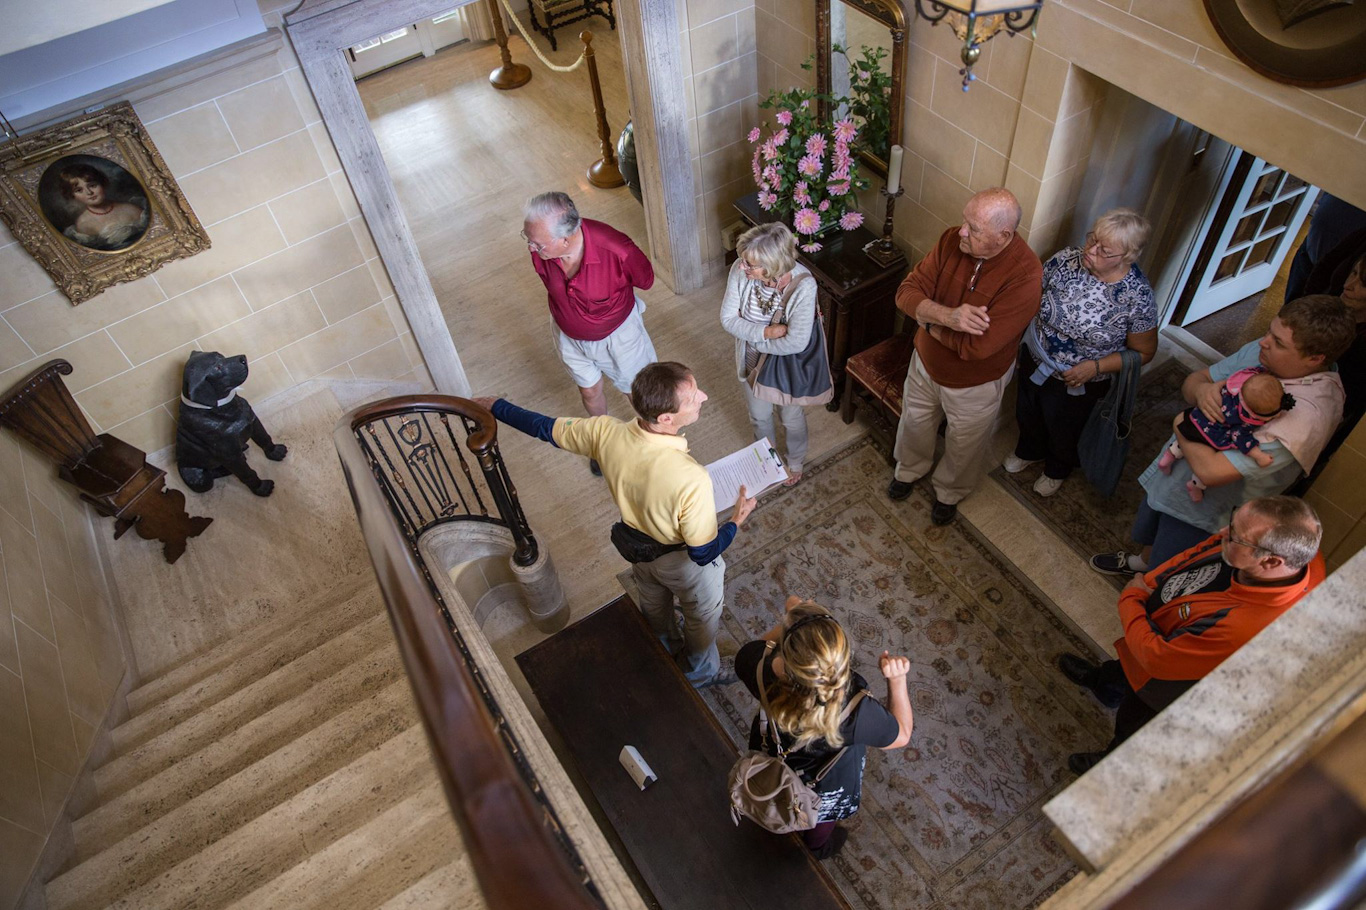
x,y
1185,617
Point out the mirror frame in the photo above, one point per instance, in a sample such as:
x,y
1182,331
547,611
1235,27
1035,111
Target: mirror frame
x,y
893,15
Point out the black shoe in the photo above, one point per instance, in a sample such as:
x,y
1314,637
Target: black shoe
x,y
833,845
943,512
1078,669
593,466
1081,762
898,490
1113,564
1083,673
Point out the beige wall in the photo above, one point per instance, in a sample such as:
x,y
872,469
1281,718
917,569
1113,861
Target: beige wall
x,y
721,91
293,279
60,654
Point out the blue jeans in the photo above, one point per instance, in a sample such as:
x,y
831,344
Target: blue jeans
x,y
1167,536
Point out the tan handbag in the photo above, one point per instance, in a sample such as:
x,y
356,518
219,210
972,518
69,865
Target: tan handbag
x,y
764,789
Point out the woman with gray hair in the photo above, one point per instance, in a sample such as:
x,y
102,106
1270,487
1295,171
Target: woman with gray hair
x,y
770,308
1096,303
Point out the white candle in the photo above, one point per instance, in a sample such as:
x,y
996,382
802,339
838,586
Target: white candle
x,y
894,170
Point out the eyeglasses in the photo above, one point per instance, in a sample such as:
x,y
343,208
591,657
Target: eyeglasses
x,y
1228,533
750,266
536,247
1092,241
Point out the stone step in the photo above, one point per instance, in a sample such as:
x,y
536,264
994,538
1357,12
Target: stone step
x,y
195,773
245,669
288,637
196,731
451,885
307,822
371,864
129,863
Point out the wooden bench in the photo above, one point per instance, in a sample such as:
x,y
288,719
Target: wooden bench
x,y
606,682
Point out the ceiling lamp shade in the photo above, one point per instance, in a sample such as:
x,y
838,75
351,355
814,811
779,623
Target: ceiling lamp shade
x,y
977,21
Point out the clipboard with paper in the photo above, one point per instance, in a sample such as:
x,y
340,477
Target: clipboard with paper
x,y
756,467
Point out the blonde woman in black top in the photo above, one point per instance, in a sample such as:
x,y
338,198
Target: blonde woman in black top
x,y
808,681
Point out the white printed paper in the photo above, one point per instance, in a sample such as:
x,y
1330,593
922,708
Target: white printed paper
x,y
755,467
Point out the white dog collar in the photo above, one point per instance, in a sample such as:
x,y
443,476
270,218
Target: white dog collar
x,y
208,407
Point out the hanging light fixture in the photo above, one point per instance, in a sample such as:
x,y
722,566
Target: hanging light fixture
x,y
977,21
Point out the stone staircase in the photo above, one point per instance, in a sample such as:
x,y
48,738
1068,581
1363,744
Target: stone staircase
x,y
284,768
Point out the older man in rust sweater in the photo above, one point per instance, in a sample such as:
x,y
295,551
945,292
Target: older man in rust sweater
x,y
972,295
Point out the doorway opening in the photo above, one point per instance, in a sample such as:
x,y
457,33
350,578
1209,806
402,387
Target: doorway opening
x,y
464,156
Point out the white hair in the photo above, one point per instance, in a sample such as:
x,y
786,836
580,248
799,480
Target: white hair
x,y
554,208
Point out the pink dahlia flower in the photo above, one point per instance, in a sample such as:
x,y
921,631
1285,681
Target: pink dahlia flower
x,y
845,131
851,220
784,117
767,201
838,189
811,247
780,138
815,145
769,151
810,165
824,206
754,134
806,221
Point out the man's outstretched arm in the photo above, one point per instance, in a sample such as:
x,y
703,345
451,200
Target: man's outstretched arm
x,y
536,425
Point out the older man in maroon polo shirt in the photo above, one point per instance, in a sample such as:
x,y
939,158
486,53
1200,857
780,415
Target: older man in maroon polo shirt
x,y
590,271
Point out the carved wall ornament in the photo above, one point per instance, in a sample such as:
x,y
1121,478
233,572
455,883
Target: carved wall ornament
x,y
92,200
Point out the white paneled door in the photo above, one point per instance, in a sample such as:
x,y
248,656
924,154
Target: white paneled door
x,y
1268,207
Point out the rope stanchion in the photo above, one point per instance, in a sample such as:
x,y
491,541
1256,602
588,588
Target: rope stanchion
x,y
532,44
510,75
603,172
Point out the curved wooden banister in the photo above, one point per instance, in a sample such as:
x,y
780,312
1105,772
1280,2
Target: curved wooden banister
x,y
516,845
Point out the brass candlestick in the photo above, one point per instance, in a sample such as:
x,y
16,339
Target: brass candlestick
x,y
883,251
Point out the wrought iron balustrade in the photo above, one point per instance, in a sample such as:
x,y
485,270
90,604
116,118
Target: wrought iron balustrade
x,y
412,448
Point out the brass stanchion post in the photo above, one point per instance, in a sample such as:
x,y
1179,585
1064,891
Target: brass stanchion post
x,y
509,75
603,172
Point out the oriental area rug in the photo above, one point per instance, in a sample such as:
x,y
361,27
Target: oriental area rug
x,y
953,820
1089,522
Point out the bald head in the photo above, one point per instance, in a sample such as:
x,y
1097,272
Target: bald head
x,y
990,220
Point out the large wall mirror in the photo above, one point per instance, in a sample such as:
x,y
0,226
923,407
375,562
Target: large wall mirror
x,y
861,57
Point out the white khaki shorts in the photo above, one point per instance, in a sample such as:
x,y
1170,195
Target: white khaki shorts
x,y
619,356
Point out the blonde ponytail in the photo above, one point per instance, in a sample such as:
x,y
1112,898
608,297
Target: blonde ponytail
x,y
809,698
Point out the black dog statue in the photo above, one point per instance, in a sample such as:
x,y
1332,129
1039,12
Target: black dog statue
x,y
215,424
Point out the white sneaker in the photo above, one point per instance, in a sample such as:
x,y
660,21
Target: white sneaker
x,y
1047,486
1014,464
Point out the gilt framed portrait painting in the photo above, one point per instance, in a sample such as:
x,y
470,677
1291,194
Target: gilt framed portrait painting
x,y
93,202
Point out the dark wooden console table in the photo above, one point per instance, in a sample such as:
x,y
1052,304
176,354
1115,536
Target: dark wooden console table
x,y
606,682
857,296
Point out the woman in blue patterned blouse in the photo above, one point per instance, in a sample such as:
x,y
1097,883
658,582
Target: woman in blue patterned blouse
x,y
1096,302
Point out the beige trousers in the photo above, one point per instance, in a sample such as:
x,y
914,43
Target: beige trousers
x,y
971,415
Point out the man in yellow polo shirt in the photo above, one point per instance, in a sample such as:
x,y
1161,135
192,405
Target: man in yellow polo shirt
x,y
666,503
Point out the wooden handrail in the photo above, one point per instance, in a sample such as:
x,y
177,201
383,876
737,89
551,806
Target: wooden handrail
x,y
518,849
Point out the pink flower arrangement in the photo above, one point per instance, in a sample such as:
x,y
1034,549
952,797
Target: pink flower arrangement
x,y
806,221
805,167
811,247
